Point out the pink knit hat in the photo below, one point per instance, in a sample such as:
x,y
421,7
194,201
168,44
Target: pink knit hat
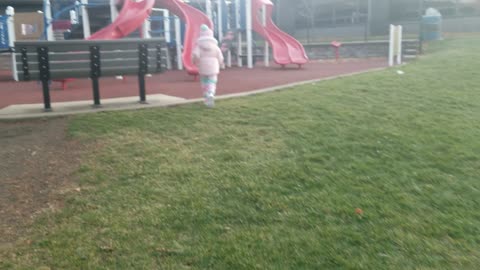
x,y
206,33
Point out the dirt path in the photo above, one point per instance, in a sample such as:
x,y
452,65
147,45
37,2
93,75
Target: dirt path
x,y
37,165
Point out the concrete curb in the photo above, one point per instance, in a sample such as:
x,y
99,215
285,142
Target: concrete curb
x,y
170,102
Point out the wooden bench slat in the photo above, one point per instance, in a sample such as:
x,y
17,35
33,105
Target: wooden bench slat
x,y
82,45
79,56
117,64
101,42
59,65
81,73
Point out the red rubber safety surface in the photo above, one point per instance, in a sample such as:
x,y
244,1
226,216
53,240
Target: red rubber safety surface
x,y
178,83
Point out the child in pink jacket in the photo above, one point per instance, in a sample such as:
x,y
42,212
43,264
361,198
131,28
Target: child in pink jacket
x,y
208,57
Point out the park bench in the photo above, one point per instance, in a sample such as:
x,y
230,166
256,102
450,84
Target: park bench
x,y
59,60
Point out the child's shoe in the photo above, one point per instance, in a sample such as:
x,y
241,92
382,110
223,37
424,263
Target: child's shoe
x,y
210,101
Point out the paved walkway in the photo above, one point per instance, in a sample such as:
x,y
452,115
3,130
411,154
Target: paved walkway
x,y
172,87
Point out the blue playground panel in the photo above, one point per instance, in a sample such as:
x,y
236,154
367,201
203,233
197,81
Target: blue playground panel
x,y
224,15
183,29
243,18
4,41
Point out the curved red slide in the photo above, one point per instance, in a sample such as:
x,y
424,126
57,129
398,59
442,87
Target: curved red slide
x,y
134,13
131,17
286,49
193,19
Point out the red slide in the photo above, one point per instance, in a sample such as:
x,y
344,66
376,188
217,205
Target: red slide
x,y
286,49
131,17
134,13
193,18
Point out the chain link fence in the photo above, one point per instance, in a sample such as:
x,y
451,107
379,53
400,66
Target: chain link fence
x,y
320,21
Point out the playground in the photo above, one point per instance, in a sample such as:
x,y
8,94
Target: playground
x,y
365,163
280,60
359,172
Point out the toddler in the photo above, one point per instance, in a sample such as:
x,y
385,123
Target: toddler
x,y
208,57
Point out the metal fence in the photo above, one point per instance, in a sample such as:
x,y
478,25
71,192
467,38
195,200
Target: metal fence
x,y
318,21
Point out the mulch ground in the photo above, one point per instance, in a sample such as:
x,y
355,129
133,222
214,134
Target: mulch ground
x,y
37,168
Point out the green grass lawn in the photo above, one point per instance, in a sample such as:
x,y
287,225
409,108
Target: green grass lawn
x,y
273,181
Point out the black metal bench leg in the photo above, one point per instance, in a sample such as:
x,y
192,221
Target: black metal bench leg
x,y
96,93
46,95
143,92
44,69
142,70
95,73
